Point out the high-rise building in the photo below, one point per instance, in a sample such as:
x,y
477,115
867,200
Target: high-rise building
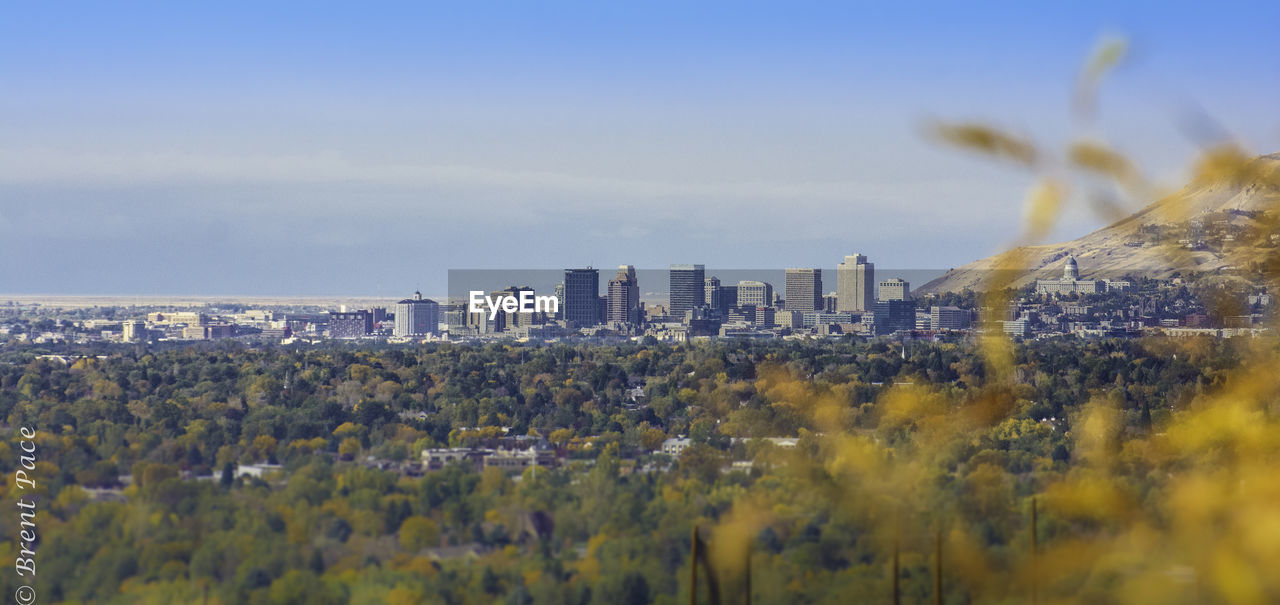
x,y
581,294
711,289
133,330
482,321
804,290
350,324
894,315
855,284
417,316
720,297
457,318
894,289
510,320
687,289
728,297
624,297
560,300
755,294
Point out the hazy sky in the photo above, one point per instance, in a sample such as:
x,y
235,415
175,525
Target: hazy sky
x,y
364,148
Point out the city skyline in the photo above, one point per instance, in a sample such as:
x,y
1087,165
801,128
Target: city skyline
x,y
329,150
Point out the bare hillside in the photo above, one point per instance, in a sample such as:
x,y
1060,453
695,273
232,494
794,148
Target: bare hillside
x,y
1207,226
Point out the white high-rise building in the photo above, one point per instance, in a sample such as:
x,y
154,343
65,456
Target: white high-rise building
x,y
417,316
855,285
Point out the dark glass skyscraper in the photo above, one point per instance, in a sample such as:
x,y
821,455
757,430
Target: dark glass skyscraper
x,y
581,296
894,315
687,289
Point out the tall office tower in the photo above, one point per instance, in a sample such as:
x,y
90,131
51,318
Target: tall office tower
x,y
482,323
417,316
720,297
804,290
624,297
581,291
560,300
755,294
687,289
855,285
711,288
895,289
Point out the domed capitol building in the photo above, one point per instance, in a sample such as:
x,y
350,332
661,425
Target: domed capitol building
x,y
1072,284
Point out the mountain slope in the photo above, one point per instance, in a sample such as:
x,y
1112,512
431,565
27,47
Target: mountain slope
x,y
1211,224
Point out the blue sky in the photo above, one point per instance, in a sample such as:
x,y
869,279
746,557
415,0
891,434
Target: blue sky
x,y
367,149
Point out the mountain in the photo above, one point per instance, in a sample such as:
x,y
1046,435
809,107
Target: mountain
x,y
1215,222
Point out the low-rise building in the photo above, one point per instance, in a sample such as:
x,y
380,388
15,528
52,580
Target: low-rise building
x,y
675,445
949,318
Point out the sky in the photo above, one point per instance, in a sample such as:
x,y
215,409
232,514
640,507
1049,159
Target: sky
x,y
367,148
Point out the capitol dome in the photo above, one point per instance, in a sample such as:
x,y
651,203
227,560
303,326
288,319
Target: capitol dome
x,y
1071,271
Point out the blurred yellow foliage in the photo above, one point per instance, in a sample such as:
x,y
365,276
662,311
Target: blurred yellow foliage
x,y
1206,530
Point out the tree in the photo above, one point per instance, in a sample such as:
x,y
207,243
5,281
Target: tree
x,y
651,439
635,589
263,447
418,532
349,448
560,437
